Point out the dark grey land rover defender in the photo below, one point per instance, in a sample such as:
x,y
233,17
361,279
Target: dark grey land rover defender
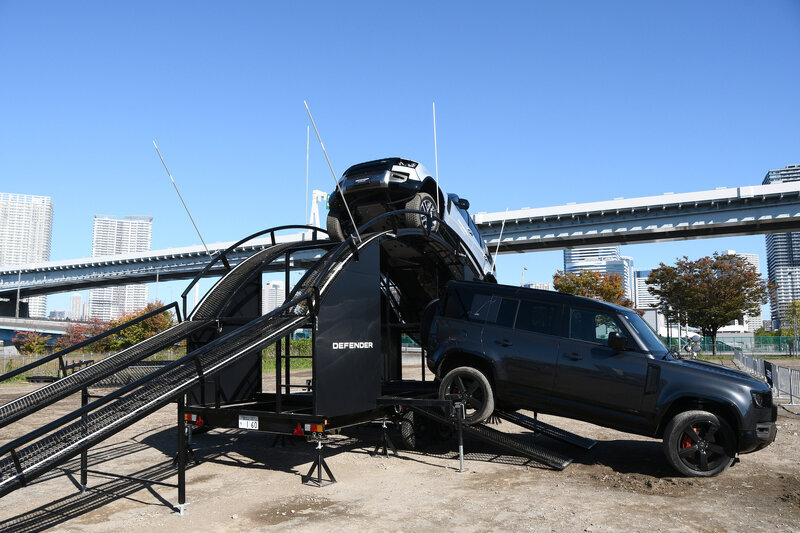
x,y
497,345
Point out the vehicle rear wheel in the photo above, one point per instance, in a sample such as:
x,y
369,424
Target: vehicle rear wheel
x,y
473,389
699,444
421,202
334,229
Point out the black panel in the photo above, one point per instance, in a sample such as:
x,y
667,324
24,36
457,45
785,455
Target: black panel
x,y
348,363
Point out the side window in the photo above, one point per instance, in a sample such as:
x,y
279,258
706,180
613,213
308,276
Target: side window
x,y
503,311
591,326
467,305
538,317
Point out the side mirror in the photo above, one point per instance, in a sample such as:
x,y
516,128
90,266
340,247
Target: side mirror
x,y
617,341
462,203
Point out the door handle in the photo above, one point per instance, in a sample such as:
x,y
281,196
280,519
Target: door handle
x,y
504,342
573,356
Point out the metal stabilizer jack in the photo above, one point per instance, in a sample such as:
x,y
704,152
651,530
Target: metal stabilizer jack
x,y
384,443
319,463
460,414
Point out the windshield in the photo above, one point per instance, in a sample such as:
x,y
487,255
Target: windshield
x,y
645,333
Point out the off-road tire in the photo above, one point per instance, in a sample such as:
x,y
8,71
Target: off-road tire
x,y
699,444
334,229
421,202
475,389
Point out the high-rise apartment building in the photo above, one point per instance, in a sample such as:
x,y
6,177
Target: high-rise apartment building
x,y
783,256
541,285
272,296
750,323
115,236
606,260
76,307
644,298
26,229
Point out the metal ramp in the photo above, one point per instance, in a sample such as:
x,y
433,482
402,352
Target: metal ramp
x,y
537,426
505,441
26,458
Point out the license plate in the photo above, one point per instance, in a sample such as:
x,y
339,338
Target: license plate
x,y
248,422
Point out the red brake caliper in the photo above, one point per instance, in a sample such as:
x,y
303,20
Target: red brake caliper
x,y
686,442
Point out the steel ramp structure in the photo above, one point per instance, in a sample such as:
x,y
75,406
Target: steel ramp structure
x,y
213,303
23,461
537,426
505,441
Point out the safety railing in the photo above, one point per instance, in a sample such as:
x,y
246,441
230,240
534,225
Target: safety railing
x,y
59,355
782,379
223,255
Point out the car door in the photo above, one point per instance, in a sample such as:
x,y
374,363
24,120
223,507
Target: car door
x,y
595,382
520,335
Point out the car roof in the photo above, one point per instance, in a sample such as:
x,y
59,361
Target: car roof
x,y
522,292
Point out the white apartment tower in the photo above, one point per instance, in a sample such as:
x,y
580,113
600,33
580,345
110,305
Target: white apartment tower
x,y
272,296
644,298
26,229
116,236
750,323
606,260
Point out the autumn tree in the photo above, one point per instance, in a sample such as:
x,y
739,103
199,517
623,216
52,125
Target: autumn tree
x,y
141,330
606,287
79,332
708,293
30,342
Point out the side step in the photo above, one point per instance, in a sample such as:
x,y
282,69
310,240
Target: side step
x,y
553,432
505,441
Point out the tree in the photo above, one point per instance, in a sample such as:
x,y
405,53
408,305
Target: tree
x,y
78,332
141,330
606,287
708,293
30,342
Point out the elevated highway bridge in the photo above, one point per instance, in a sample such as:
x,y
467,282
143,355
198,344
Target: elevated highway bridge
x,y
714,213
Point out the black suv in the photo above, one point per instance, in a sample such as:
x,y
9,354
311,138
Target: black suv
x,y
516,348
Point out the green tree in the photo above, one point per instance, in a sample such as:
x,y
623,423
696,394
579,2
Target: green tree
x,y
30,342
140,331
708,293
606,287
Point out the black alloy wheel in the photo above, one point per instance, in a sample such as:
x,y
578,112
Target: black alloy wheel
x,y
473,390
699,444
422,202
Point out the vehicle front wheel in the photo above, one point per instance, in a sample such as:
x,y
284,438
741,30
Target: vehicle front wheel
x,y
421,202
334,229
474,391
699,444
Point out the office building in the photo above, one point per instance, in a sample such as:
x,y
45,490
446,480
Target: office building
x,y
605,260
783,256
272,296
26,229
116,236
541,285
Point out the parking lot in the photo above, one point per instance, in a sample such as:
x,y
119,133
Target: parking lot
x,y
244,483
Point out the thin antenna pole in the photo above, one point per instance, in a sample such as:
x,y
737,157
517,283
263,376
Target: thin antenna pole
x,y
181,197
308,133
500,239
436,157
336,181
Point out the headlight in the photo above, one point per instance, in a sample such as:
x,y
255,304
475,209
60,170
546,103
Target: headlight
x,y
762,399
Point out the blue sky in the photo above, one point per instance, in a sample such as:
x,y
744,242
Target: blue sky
x,y
538,104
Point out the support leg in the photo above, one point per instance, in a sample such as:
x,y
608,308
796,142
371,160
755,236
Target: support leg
x,y
181,457
84,453
460,418
384,443
319,463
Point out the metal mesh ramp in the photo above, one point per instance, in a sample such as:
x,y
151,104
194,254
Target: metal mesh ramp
x,y
44,396
212,302
20,465
553,432
502,440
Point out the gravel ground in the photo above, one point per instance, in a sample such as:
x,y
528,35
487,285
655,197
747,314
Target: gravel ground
x,y
244,483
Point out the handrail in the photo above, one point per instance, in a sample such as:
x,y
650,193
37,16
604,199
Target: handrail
x,y
61,353
223,254
24,439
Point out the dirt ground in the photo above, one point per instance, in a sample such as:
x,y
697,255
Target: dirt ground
x,y
244,483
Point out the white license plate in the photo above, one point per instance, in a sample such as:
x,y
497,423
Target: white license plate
x,y
248,422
